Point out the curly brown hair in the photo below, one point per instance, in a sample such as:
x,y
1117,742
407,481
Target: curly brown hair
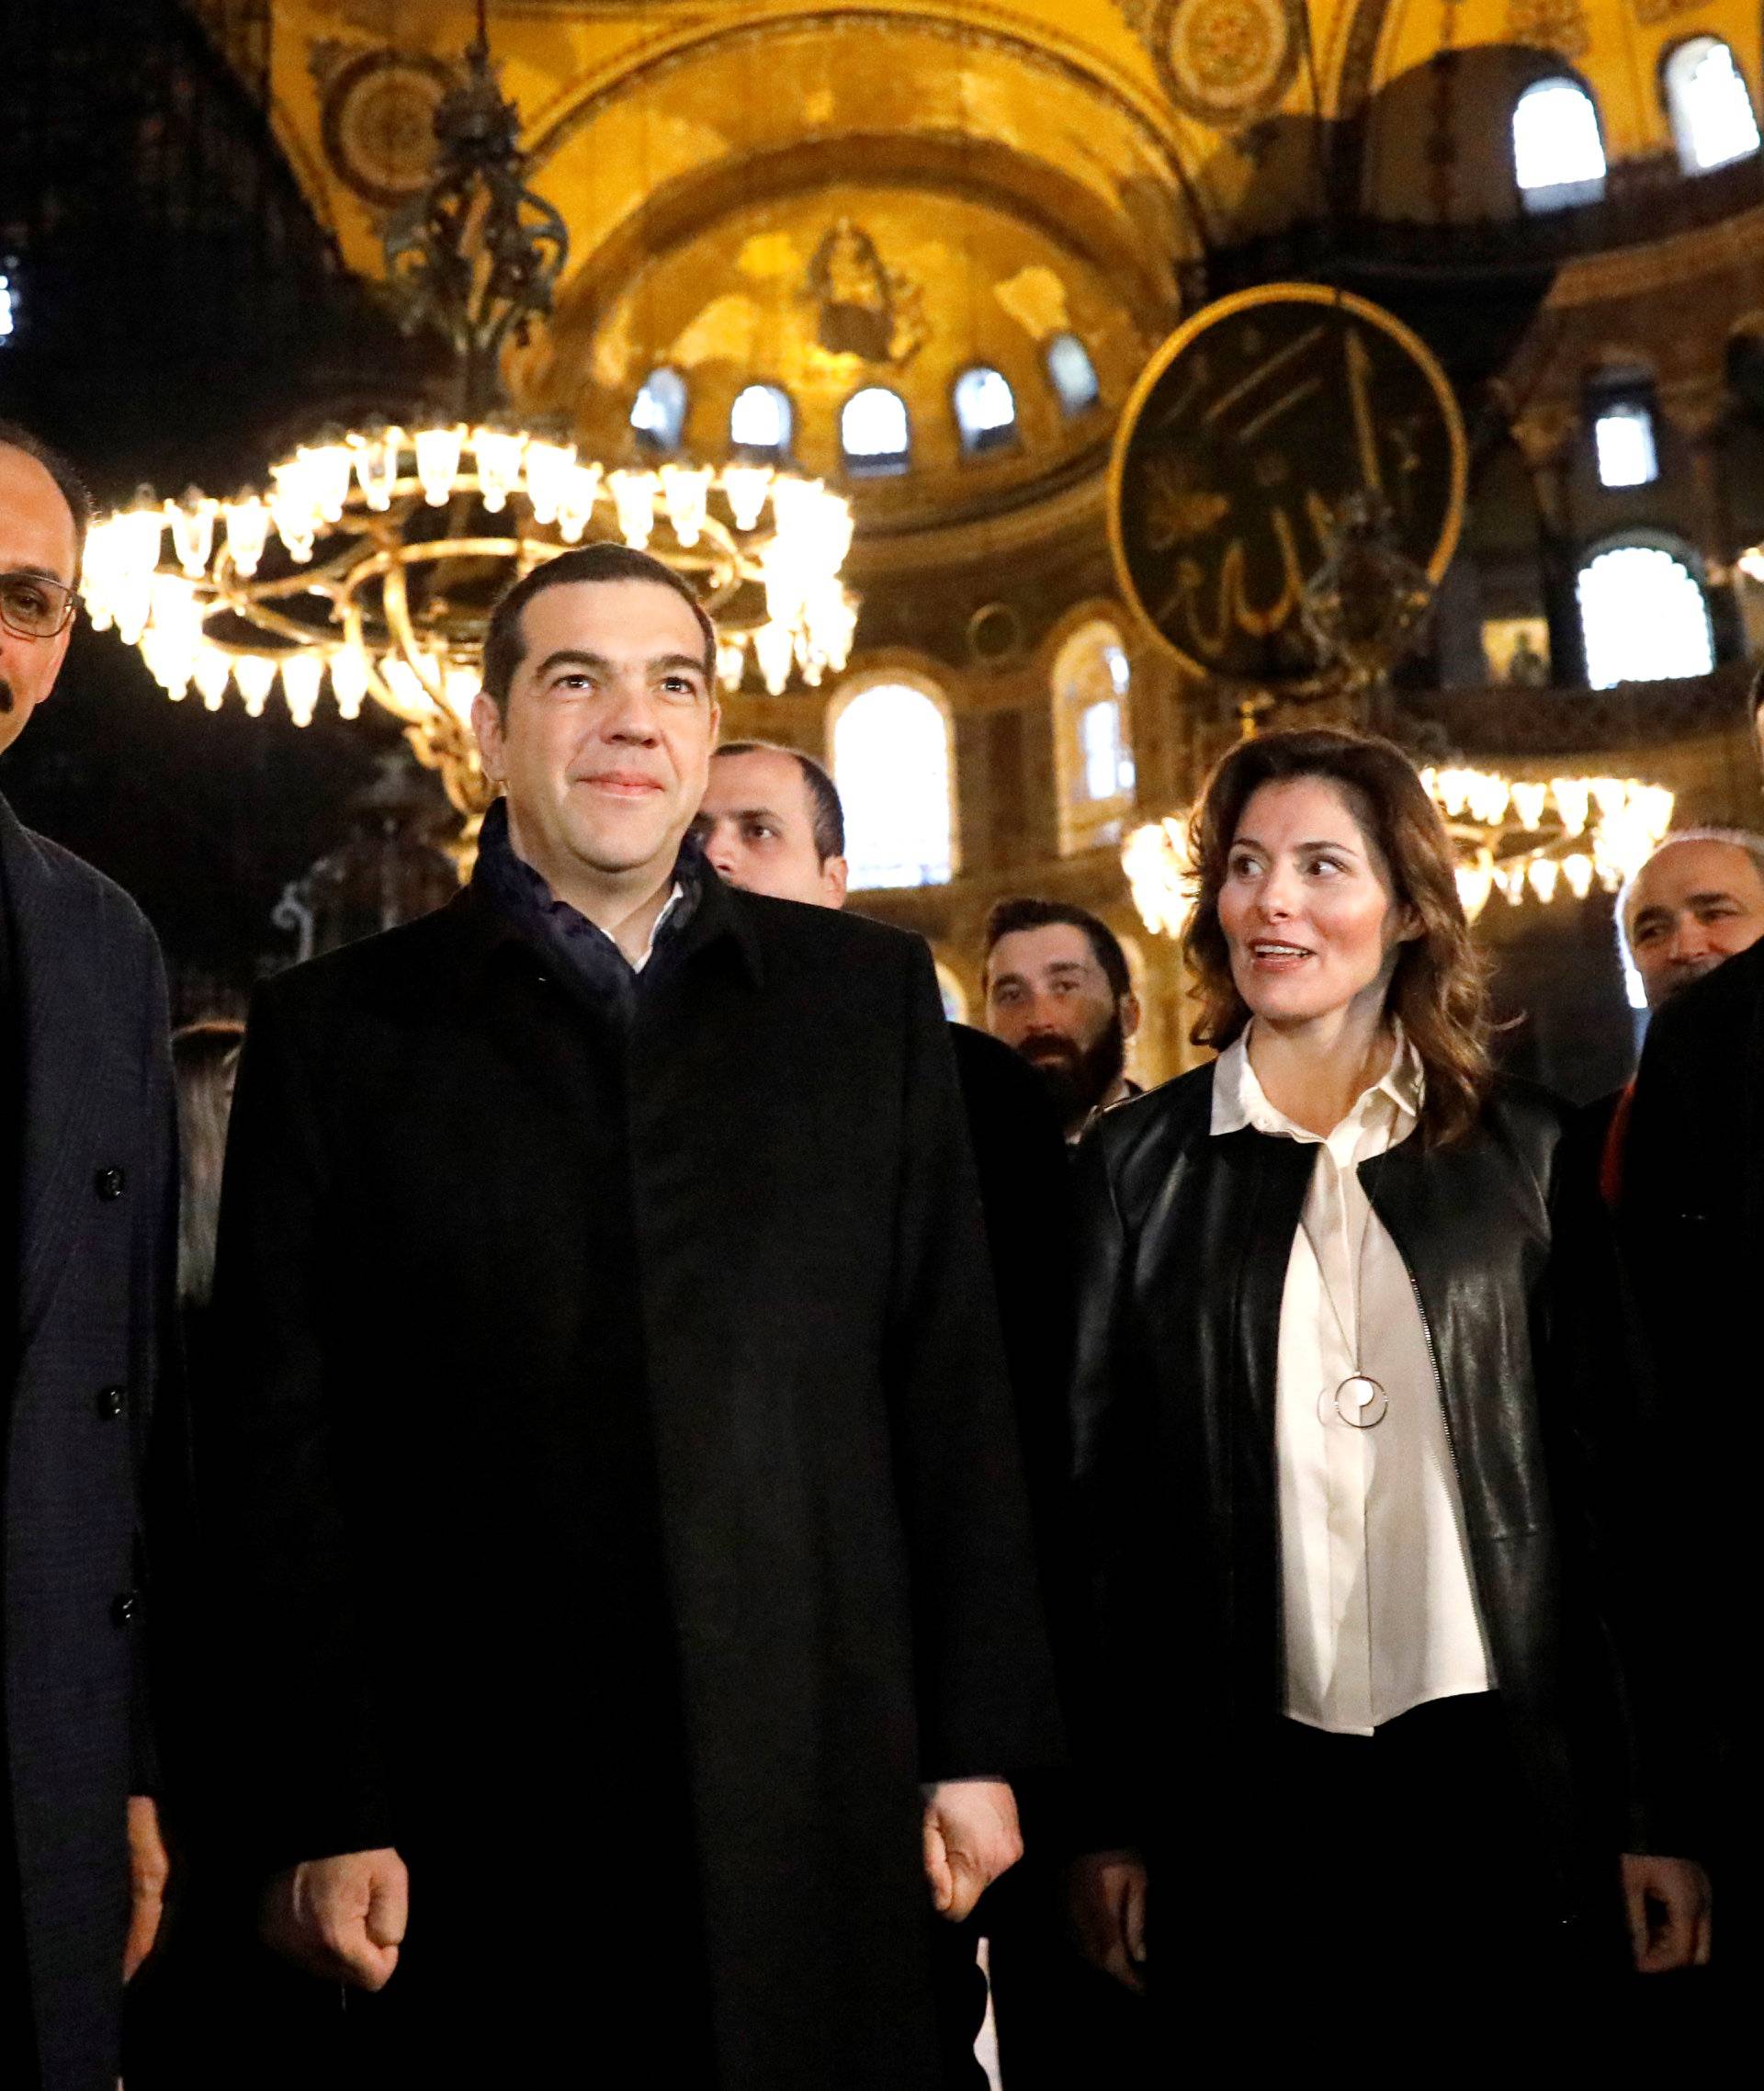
x,y
1438,991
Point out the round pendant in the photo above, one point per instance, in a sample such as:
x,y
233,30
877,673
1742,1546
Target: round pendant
x,y
1361,1402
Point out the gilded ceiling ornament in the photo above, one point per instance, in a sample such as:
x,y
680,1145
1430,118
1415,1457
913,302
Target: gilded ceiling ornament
x,y
866,309
1225,62
1549,25
376,117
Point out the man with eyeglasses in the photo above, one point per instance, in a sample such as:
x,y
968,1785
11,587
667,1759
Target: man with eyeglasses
x,y
86,1258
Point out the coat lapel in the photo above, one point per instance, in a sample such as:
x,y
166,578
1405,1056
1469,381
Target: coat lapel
x,y
59,1019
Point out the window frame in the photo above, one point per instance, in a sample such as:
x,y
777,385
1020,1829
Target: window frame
x,y
884,676
1671,102
1685,555
1539,199
875,465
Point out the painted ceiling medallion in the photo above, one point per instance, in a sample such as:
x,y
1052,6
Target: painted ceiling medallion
x,y
1225,62
1549,25
379,117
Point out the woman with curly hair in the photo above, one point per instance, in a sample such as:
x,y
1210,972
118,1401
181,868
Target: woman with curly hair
x,y
1352,1397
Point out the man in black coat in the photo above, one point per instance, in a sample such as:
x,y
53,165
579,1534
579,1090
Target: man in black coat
x,y
1692,1221
772,821
87,1263
615,1460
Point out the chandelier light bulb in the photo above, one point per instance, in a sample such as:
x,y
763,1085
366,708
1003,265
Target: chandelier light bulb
x,y
1571,795
247,522
1578,870
731,663
328,469
577,494
499,456
377,458
460,684
294,509
548,468
634,497
1542,874
774,647
211,673
437,462
1475,882
192,525
256,675
745,488
686,491
1530,798
302,673
350,673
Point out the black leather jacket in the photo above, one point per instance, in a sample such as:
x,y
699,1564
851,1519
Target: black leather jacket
x,y
1183,1247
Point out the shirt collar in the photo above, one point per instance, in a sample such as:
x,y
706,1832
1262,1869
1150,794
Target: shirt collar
x,y
1239,1099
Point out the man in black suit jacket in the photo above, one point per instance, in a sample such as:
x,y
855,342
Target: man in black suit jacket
x,y
772,821
1693,1217
615,1460
87,1262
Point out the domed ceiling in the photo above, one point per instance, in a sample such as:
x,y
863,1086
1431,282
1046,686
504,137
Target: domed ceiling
x,y
1012,172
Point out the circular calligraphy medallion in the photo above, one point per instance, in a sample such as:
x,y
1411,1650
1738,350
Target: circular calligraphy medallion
x,y
1246,431
1361,1402
1226,61
379,123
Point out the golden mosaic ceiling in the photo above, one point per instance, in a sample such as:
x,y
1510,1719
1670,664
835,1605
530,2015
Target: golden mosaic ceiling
x,y
1016,167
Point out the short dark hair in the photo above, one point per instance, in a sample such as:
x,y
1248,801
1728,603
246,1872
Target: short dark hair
x,y
72,488
1021,912
504,644
826,811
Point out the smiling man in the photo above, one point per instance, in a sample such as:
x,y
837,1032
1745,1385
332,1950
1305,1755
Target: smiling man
x,y
616,1452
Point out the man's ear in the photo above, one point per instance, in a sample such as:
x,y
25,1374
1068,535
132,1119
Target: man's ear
x,y
837,874
487,724
1129,1007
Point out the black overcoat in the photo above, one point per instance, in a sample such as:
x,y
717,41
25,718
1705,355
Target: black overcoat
x,y
93,1245
614,1443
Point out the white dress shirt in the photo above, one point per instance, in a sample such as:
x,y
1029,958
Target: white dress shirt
x,y
1380,1608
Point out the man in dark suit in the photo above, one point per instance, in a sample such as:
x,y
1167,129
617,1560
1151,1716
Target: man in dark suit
x,y
772,821
616,1460
1692,1223
87,1262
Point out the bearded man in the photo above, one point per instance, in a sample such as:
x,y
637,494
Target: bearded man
x,y
1058,992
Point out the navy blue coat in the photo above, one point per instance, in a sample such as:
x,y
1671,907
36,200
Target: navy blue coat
x,y
87,1440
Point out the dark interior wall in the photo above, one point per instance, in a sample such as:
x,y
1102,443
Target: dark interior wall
x,y
181,317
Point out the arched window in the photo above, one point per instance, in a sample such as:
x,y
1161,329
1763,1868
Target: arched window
x,y
891,762
1623,442
985,409
1092,735
873,431
1712,120
1558,157
1072,374
760,418
659,410
1643,617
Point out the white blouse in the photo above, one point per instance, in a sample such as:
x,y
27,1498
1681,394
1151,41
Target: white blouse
x,y
1380,1608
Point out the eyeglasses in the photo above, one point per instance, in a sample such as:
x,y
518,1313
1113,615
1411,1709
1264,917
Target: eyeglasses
x,y
34,607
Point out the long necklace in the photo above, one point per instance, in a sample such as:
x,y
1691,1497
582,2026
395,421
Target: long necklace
x,y
1359,1401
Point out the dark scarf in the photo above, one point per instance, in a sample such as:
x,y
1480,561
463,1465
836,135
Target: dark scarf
x,y
527,903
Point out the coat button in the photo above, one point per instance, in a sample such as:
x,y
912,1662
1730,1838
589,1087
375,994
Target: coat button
x,y
109,1183
123,1608
111,1401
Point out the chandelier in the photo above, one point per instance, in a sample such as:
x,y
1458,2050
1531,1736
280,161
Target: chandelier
x,y
373,558
1521,837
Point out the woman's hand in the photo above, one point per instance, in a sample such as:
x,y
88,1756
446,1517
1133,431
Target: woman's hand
x,y
1105,1894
